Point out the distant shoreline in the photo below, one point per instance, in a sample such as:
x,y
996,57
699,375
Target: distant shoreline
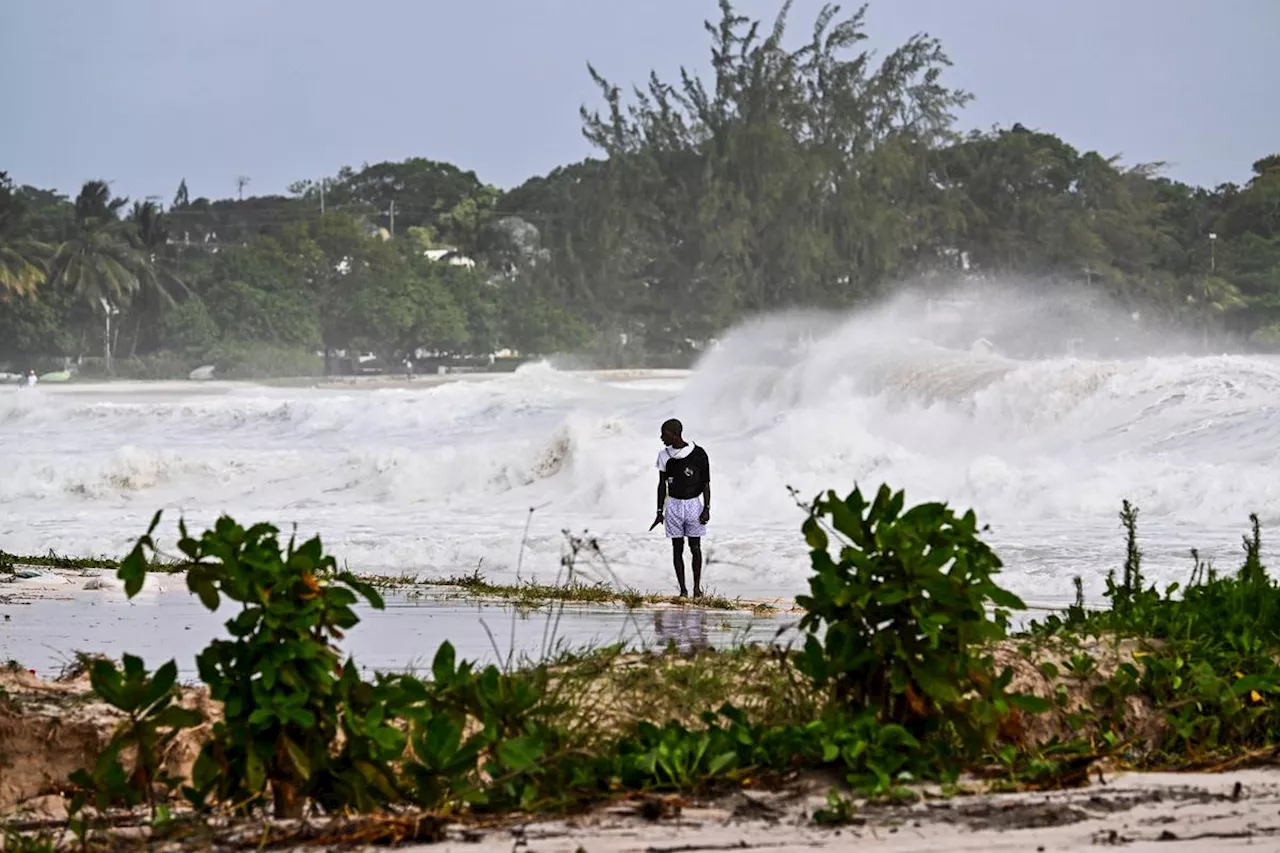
x,y
376,381
392,380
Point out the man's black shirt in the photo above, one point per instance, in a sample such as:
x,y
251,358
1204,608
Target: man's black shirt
x,y
686,477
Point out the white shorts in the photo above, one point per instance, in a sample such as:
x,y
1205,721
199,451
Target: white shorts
x,y
680,518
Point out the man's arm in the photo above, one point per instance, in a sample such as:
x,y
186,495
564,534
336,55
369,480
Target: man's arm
x,y
662,495
706,488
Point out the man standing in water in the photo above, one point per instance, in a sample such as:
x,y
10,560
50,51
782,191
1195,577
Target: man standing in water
x,y
684,500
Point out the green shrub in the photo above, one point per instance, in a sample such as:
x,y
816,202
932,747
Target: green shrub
x,y
904,612
908,636
286,695
904,605
246,360
152,722
1208,657
158,365
900,626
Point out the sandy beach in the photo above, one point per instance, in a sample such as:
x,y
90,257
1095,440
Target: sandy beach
x,y
1136,812
1142,812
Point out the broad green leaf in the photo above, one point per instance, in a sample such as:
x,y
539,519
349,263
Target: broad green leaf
x,y
1029,703
520,753
934,683
721,763
297,756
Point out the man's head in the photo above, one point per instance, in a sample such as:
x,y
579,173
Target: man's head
x,y
672,432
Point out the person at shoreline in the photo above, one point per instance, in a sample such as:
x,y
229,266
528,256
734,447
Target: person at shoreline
x,y
684,500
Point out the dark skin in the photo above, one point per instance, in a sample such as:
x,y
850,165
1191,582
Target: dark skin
x,y
673,439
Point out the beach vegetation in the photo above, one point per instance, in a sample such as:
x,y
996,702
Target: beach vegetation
x,y
909,674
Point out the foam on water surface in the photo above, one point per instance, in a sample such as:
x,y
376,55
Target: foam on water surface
x,y
439,480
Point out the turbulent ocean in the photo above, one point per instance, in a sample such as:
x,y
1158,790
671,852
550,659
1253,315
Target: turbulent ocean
x,y
496,474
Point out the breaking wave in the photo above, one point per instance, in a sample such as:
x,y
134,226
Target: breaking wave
x,y
436,479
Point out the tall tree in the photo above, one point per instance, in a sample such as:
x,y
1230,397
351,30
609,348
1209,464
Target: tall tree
x,y
158,277
22,257
416,193
794,177
99,264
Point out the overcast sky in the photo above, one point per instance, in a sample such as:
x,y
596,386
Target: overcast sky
x,y
146,92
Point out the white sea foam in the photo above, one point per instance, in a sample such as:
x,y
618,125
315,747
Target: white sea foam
x,y
437,480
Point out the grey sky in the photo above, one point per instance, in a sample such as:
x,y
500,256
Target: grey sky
x,y
146,92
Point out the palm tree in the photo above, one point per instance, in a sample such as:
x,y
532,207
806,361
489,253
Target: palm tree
x,y
21,272
150,224
149,234
99,264
21,258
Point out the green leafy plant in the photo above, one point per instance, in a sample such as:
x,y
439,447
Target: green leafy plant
x,y
153,720
13,841
443,770
904,605
285,693
839,810
673,756
898,664
1207,657
515,756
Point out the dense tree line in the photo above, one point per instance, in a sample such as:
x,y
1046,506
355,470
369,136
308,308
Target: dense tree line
x,y
812,175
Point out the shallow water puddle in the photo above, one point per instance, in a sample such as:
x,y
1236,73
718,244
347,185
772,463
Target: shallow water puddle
x,y
45,621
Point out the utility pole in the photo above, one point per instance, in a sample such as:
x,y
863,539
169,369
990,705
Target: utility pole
x,y
241,180
322,196
391,211
1213,261
107,309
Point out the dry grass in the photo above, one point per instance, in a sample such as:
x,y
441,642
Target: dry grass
x,y
602,694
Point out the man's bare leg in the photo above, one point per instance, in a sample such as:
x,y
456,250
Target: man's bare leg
x,y
695,548
677,557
